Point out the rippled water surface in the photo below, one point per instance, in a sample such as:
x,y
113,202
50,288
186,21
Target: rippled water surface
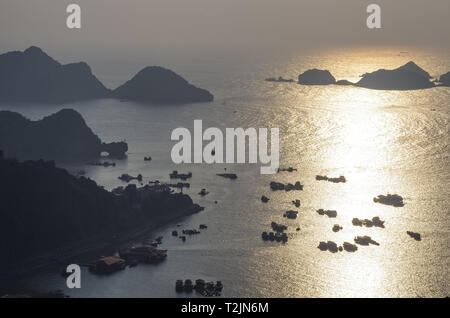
x,y
383,142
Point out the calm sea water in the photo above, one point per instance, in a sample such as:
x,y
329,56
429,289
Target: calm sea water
x,y
383,142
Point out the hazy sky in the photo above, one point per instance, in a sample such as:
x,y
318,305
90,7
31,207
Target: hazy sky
x,y
221,24
125,29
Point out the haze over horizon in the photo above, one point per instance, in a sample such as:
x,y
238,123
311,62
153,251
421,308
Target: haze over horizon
x,y
227,25
120,37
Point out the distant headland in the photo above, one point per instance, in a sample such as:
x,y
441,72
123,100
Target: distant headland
x,y
63,136
45,208
407,77
33,76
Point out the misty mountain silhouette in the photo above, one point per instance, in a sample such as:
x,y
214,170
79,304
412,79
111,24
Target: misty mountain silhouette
x,y
316,77
33,76
63,135
157,84
44,207
413,67
406,77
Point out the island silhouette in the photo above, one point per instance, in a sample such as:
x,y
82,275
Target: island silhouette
x,y
406,77
63,135
33,76
159,85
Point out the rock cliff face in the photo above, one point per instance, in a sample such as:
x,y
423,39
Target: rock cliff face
x,y
159,85
407,77
34,76
63,135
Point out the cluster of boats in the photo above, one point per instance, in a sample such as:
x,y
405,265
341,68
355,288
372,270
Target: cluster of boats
x,y
289,169
183,176
334,180
130,256
291,214
278,227
207,289
376,221
329,213
179,185
277,236
365,240
334,248
287,187
127,178
107,265
143,254
103,164
389,199
280,79
189,232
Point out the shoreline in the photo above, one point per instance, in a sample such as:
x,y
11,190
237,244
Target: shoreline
x,y
93,245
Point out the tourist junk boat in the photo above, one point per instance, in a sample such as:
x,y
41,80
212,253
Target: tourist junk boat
x,y
107,265
143,254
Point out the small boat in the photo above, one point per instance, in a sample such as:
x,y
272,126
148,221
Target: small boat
x,y
414,235
188,286
179,287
